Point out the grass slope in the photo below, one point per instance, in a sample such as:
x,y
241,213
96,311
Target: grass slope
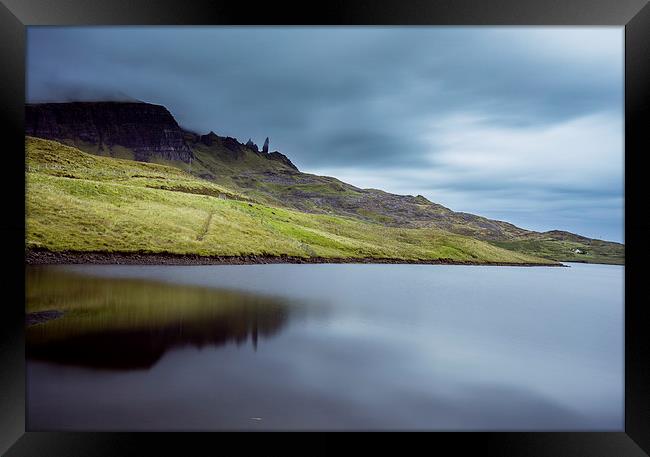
x,y
275,184
77,201
278,185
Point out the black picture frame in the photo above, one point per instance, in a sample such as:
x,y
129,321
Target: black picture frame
x,y
15,15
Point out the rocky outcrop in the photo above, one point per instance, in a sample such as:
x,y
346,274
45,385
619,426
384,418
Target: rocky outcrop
x,y
229,148
209,139
148,130
275,155
231,144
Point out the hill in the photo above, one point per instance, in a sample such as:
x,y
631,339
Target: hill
x,y
81,202
271,178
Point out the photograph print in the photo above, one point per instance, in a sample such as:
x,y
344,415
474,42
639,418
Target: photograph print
x,y
324,228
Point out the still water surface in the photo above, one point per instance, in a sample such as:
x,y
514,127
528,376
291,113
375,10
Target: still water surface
x,y
351,347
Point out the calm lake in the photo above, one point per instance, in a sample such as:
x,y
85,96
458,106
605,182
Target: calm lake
x,y
340,347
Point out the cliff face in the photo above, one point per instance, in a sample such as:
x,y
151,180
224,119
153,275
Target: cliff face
x,y
148,130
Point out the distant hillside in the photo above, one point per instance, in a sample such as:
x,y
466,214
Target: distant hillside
x,y
273,179
281,185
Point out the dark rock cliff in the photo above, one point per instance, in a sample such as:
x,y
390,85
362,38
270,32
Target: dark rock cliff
x,y
148,130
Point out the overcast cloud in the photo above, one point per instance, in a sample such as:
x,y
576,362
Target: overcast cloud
x,y
518,124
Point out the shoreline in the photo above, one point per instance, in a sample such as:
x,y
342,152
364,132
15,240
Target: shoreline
x,y
45,257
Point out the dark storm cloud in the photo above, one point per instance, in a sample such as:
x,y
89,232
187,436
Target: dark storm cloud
x,y
379,106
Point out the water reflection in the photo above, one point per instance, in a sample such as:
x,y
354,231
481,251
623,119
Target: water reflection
x,y
383,347
118,324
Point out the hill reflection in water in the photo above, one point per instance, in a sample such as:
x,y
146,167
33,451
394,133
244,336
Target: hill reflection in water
x,y
126,324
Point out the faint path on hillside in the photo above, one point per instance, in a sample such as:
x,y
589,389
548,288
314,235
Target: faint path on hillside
x,y
206,227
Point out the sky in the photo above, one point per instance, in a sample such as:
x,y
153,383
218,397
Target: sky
x,y
522,124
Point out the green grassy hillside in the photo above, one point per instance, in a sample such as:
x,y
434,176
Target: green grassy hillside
x,y
279,185
77,201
